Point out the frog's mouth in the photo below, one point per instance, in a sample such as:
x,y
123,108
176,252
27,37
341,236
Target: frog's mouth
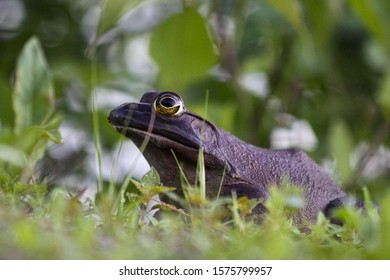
x,y
137,120
139,136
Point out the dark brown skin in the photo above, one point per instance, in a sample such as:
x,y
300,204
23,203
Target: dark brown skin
x,y
163,120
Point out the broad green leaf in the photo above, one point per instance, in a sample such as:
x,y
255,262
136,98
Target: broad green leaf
x,y
182,49
149,184
341,145
151,178
33,97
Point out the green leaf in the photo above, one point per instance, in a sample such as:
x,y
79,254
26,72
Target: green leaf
x,y
182,49
341,145
150,191
151,178
149,184
33,97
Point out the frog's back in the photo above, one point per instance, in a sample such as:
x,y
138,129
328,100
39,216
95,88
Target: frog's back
x,y
319,189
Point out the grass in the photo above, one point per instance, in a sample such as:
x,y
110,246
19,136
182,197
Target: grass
x,y
36,224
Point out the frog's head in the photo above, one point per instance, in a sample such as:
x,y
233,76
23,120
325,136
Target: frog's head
x,y
161,123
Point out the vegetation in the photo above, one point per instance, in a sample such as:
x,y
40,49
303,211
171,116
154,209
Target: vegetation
x,y
264,65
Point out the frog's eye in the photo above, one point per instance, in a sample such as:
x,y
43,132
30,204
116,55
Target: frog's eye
x,y
168,104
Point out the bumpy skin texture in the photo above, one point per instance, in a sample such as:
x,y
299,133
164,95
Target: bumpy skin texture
x,y
249,170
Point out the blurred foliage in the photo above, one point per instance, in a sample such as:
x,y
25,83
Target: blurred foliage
x,y
35,124
263,65
36,225
182,49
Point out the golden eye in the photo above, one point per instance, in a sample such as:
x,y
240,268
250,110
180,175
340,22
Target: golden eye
x,y
168,105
